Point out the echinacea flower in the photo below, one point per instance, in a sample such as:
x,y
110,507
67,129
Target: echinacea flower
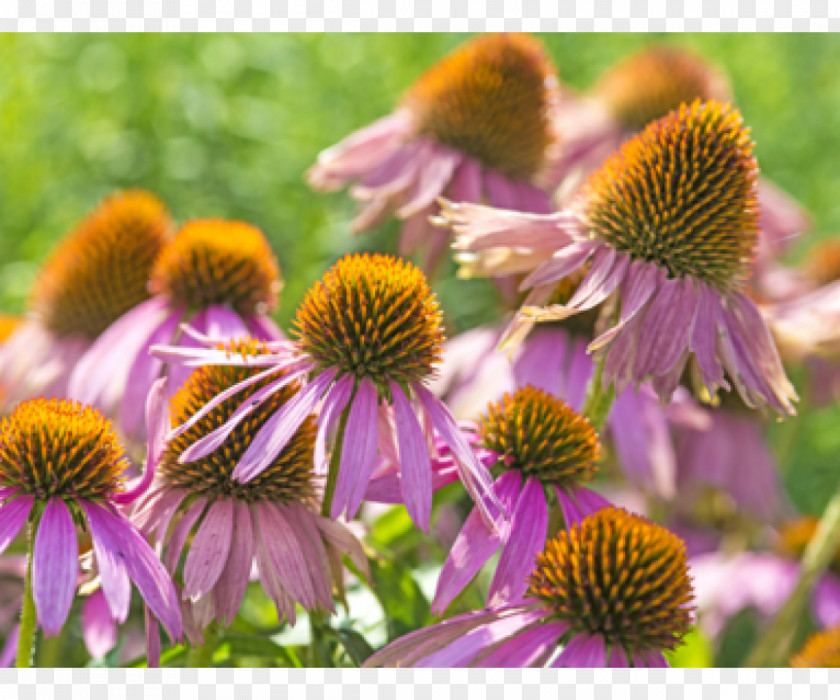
x,y
544,450
612,591
478,126
219,526
670,223
95,275
220,276
369,336
821,650
640,89
763,581
60,468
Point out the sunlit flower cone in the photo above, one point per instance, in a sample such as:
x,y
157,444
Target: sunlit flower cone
x,y
219,526
220,276
476,127
670,224
369,336
613,591
60,469
95,275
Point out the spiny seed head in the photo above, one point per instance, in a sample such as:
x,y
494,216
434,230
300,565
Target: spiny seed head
x,y
682,194
821,650
542,436
372,316
212,261
795,535
823,263
60,448
618,576
493,99
289,477
101,270
651,83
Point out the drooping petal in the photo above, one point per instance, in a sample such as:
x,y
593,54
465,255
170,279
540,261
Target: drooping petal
x,y
12,517
181,532
345,542
649,658
306,532
474,545
358,451
119,535
113,576
526,649
269,576
604,277
432,178
583,651
415,464
152,638
232,582
264,328
559,265
55,566
334,404
99,629
540,361
588,501
279,429
569,506
284,554
617,658
526,538
209,550
825,601
224,323
704,338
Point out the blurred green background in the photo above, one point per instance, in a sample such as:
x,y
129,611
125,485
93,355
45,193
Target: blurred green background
x,y
226,125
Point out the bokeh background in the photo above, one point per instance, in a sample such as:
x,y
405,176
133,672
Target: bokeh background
x,y
226,125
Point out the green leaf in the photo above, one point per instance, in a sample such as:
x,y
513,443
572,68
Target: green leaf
x,y
260,648
354,644
406,608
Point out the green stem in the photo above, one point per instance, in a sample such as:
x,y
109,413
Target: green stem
x,y
335,461
28,616
201,655
598,401
773,648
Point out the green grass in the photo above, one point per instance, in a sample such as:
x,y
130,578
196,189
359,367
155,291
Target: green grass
x,y
226,125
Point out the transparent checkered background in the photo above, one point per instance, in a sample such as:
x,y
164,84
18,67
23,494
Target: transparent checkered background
x,y
423,15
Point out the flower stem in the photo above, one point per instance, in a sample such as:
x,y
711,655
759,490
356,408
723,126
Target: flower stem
x,y
28,616
335,462
773,649
598,401
201,655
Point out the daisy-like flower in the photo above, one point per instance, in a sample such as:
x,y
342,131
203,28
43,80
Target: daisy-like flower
x,y
613,591
478,126
369,336
640,89
94,276
821,650
220,276
670,223
763,581
60,468
219,526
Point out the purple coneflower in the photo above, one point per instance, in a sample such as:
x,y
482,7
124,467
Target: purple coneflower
x,y
369,335
640,89
60,467
220,276
273,518
671,223
763,581
476,127
95,275
612,591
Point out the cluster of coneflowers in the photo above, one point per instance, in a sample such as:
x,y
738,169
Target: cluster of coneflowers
x,y
158,429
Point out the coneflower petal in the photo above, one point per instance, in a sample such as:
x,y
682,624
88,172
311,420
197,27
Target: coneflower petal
x,y
474,545
603,279
55,566
415,464
284,554
12,517
224,324
358,451
560,265
314,552
525,649
209,550
649,658
340,538
334,404
618,658
116,585
279,429
432,178
583,651
232,582
571,512
527,533
99,629
181,533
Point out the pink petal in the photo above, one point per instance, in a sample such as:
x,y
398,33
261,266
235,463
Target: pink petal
x,y
526,538
279,429
334,404
55,566
561,264
649,659
12,517
415,465
99,629
541,359
618,659
315,555
606,274
181,532
583,651
589,502
345,542
704,334
262,327
233,580
209,550
473,546
270,578
144,371
433,176
825,601
500,191
113,576
224,323
152,638
358,451
571,512
526,649
284,554
578,375
465,185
